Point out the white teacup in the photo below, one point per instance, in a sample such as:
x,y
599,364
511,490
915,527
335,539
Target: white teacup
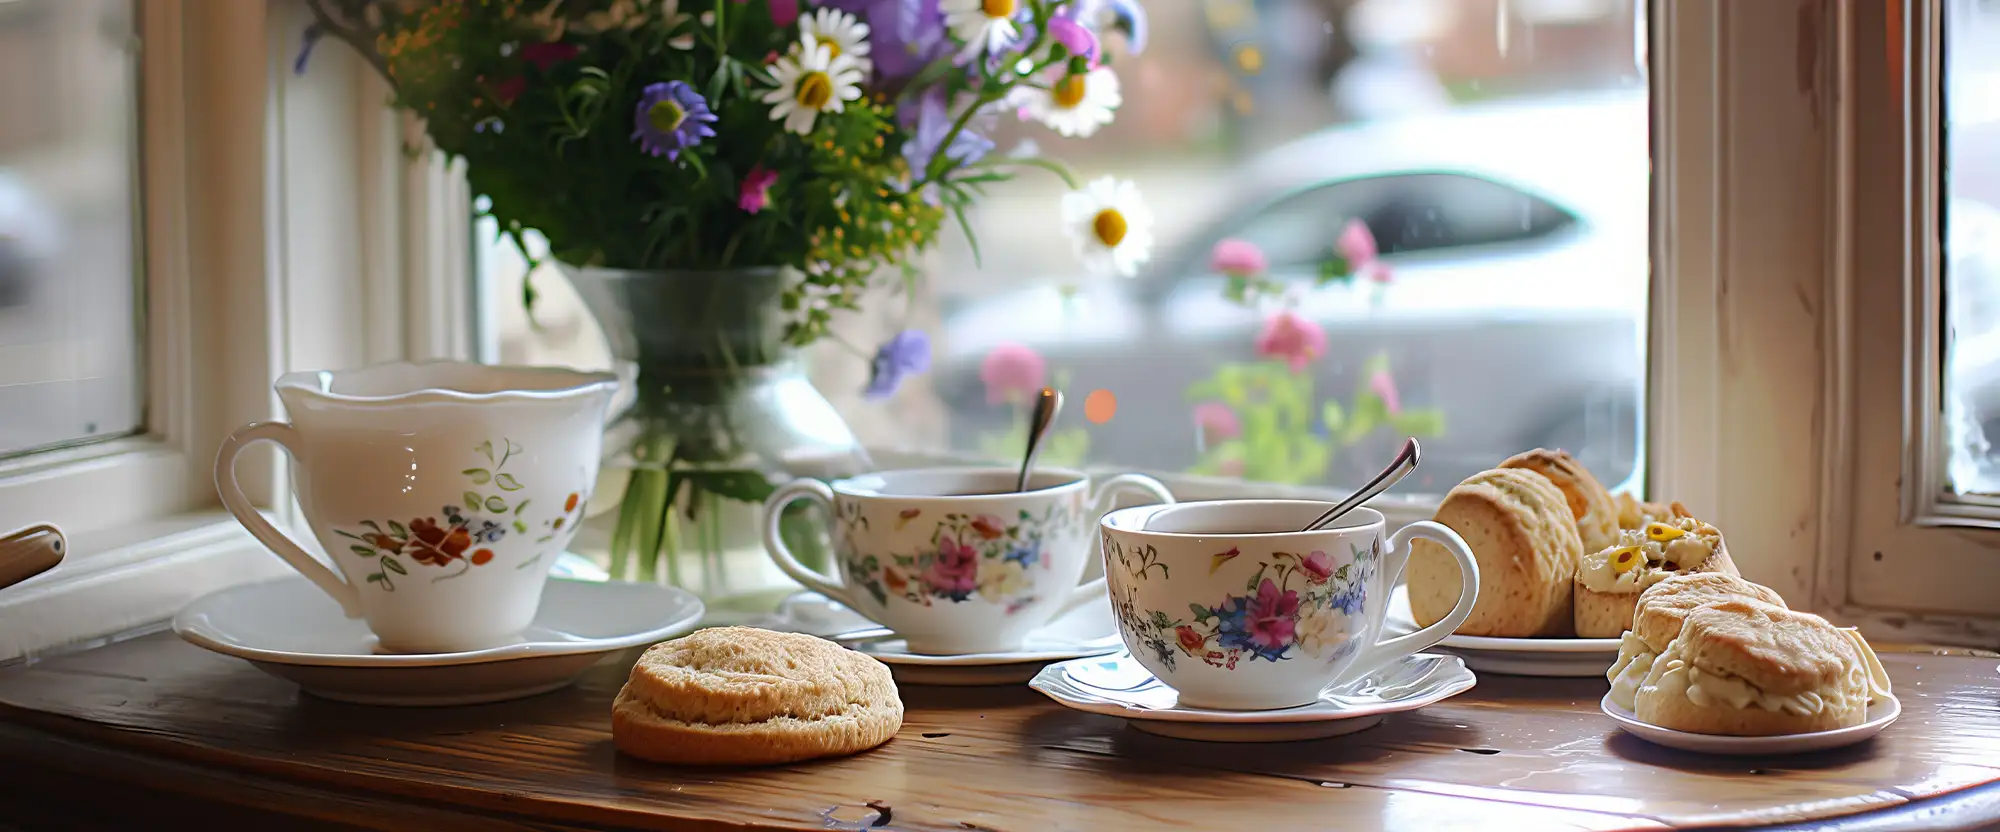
x,y
953,559
443,491
1235,609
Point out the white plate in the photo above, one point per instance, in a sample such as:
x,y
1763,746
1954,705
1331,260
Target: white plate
x,y
1085,631
1565,657
1880,714
1116,685
290,629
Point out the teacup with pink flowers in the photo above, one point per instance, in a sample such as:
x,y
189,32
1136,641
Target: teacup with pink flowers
x,y
954,559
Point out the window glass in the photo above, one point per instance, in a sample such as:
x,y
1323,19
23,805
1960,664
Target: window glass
x,y
1452,197
69,302
1971,253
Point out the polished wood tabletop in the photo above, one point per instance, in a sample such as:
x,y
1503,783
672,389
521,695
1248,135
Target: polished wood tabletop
x,y
1513,753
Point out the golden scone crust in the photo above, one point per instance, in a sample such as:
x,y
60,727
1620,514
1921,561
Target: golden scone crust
x,y
1524,539
1662,608
1602,614
1595,513
746,696
1780,651
1634,514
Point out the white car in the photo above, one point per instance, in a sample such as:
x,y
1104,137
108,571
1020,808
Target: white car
x,y
1518,238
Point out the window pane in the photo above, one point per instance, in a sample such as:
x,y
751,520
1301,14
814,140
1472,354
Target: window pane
x,y
69,303
1971,253
1496,152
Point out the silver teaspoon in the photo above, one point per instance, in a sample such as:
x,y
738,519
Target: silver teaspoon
x,y
1404,463
1047,405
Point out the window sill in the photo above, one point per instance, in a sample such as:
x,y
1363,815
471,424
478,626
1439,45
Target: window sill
x,y
118,579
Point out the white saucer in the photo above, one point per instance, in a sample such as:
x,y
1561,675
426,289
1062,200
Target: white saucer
x,y
1565,657
289,629
1880,714
1117,685
1085,631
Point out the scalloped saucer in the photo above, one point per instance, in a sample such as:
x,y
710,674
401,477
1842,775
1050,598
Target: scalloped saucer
x,y
291,630
1880,714
1558,657
1085,631
1118,686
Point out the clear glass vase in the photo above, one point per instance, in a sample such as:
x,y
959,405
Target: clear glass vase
x,y
716,413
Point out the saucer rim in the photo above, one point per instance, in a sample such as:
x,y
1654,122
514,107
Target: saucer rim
x,y
1112,644
1464,679
1769,744
195,633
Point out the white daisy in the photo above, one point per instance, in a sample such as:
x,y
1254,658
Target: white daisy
x,y
810,81
1110,225
840,32
1075,105
982,25
672,16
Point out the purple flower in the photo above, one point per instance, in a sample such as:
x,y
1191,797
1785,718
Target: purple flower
x,y
905,35
1074,37
671,116
907,354
928,119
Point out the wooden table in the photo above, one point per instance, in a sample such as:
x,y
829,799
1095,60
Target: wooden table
x,y
157,731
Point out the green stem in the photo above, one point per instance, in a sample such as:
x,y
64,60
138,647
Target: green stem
x,y
621,534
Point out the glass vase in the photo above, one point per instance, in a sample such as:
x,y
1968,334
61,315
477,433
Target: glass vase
x,y
716,413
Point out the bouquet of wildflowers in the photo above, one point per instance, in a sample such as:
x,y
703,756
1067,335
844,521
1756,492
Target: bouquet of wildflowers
x,y
817,147
833,137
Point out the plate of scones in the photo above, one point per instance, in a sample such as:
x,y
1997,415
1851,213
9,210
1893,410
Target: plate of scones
x,y
1562,563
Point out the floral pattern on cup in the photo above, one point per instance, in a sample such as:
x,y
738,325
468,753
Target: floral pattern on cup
x,y
1294,605
969,555
486,515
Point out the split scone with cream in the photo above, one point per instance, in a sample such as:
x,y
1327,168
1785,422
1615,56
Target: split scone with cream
x,y
1608,581
1521,533
1747,668
1657,619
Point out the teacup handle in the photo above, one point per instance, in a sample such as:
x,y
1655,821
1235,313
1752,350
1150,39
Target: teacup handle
x,y
804,488
238,504
1121,484
1397,558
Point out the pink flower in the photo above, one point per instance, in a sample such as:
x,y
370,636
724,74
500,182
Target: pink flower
x,y
1075,37
1190,640
506,91
1357,244
1237,258
755,193
956,570
1012,372
1318,566
784,12
1217,422
1381,384
1292,338
1273,616
545,55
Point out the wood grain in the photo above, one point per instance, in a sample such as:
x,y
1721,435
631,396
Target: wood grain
x,y
1512,753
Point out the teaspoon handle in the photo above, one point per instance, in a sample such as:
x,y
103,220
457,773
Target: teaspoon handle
x,y
1405,462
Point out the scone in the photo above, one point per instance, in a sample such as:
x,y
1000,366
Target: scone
x,y
1596,515
1633,514
745,696
1524,539
1657,617
1747,668
1608,581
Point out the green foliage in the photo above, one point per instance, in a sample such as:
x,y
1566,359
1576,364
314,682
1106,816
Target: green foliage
x,y
549,140
1283,439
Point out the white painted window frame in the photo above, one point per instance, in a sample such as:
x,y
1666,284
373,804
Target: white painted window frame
x,y
285,227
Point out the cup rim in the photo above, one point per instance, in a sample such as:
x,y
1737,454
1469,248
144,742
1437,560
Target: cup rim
x,y
1106,522
317,383
1073,479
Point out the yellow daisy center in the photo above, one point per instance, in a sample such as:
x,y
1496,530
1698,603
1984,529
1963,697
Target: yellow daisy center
x,y
1069,92
832,49
999,8
1110,227
815,89
666,116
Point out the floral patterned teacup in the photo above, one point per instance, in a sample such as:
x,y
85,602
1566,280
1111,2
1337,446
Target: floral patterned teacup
x,y
953,559
442,491
1233,607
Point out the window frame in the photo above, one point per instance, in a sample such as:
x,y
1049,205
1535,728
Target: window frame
x,y
304,184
